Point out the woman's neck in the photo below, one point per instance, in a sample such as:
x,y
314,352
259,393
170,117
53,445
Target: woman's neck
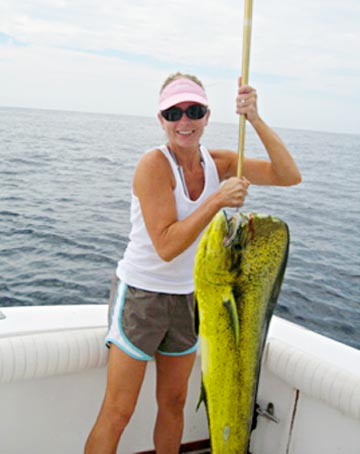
x,y
186,158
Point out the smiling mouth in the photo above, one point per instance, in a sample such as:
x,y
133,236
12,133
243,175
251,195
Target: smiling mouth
x,y
185,133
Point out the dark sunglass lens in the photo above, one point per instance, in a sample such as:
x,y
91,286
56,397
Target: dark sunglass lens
x,y
196,111
172,114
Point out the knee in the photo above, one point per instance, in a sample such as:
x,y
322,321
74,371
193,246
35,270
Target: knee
x,y
118,415
174,403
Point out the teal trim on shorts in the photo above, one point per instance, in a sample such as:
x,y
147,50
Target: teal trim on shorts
x,y
143,357
127,347
185,352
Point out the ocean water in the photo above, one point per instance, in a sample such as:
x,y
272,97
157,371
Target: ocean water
x,y
64,212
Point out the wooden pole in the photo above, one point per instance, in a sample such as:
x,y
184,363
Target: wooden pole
x,y
247,25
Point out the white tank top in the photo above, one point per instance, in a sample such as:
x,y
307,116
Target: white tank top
x,y
141,265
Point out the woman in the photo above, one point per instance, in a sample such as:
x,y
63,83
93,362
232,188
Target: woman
x,y
176,193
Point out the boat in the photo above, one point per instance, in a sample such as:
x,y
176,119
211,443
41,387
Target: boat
x,y
53,373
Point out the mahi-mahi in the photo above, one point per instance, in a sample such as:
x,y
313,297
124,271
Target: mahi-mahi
x,y
237,284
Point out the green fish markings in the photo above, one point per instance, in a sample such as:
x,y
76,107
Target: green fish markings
x,y
237,284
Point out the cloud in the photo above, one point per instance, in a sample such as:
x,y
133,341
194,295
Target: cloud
x,y
288,37
7,40
303,52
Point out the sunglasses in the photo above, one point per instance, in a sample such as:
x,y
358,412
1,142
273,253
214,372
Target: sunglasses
x,y
193,112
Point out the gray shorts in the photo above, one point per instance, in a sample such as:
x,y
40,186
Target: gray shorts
x,y
143,323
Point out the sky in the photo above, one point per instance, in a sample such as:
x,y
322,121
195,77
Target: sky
x,y
111,56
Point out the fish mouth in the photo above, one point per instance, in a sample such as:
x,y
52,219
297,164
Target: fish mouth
x,y
240,228
234,226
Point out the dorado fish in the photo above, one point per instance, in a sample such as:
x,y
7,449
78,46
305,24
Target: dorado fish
x,y
237,284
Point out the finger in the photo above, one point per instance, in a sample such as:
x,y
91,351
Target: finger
x,y
246,98
245,89
242,103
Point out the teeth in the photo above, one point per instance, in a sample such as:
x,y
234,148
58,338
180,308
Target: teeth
x,y
186,133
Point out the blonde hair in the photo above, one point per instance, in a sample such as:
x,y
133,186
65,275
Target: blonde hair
x,y
179,75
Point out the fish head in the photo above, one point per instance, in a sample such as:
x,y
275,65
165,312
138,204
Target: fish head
x,y
216,261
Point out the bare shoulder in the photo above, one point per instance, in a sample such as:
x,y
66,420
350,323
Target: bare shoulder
x,y
225,161
152,167
153,158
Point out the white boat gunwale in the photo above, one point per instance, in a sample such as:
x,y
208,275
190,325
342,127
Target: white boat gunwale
x,y
46,350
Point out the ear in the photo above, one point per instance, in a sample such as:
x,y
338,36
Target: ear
x,y
161,119
207,116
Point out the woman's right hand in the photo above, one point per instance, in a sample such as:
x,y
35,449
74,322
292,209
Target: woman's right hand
x,y
234,191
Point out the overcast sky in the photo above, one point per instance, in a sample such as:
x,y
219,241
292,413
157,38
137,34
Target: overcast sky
x,y
112,56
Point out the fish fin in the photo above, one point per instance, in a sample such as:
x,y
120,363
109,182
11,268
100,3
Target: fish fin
x,y
280,277
230,306
196,315
254,417
202,397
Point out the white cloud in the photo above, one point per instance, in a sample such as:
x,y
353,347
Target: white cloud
x,y
104,56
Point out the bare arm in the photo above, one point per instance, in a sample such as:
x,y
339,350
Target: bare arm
x,y
281,170
154,184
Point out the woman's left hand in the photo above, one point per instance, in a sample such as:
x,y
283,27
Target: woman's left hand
x,y
246,102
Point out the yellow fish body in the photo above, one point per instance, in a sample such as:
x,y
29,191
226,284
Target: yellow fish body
x,y
236,289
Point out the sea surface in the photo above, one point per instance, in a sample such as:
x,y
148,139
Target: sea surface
x,y
64,212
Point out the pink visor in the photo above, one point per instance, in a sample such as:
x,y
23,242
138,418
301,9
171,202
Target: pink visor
x,y
182,90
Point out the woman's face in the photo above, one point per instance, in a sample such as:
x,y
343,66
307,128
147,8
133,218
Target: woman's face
x,y
184,132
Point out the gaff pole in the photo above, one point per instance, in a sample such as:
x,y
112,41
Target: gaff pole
x,y
247,25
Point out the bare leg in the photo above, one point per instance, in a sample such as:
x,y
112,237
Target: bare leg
x,y
124,380
173,373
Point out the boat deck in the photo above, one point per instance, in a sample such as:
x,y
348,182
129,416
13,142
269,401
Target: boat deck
x,y
197,447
